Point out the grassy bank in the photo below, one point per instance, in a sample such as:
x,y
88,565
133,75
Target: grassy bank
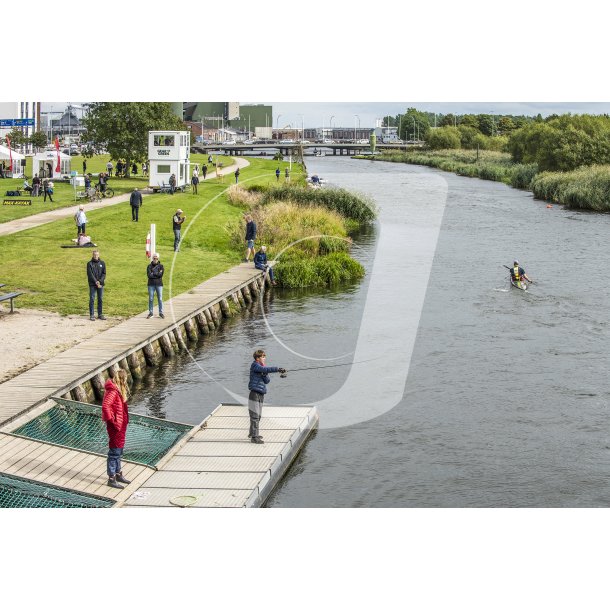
x,y
487,165
586,188
306,230
64,195
54,278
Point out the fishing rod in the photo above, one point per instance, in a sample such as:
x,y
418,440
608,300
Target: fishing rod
x,y
327,366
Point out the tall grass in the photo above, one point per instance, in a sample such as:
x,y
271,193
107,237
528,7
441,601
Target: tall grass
x,y
284,227
586,188
488,165
356,206
330,270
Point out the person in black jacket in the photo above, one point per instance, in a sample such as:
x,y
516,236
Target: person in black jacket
x,y
96,275
250,237
155,284
135,201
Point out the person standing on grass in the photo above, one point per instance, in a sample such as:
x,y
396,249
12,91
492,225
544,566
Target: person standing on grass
x,y
287,175
35,186
135,201
172,184
154,271
236,174
116,415
80,219
250,237
84,166
195,182
259,378
277,174
96,275
47,189
177,221
109,167
204,170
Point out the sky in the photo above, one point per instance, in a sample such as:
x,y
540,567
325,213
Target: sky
x,y
364,114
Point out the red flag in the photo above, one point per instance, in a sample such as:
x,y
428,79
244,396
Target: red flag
x,y
10,152
58,168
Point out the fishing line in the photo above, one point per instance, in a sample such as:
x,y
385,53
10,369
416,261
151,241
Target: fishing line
x,y
329,366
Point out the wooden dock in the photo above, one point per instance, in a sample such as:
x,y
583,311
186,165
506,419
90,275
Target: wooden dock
x,y
219,467
70,369
214,465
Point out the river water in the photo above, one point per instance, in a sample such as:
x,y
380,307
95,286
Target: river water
x,y
465,392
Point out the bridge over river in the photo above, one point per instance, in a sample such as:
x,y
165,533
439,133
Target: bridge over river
x,y
295,148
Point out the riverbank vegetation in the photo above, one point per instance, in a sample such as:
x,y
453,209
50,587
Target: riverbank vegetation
x,y
305,229
564,159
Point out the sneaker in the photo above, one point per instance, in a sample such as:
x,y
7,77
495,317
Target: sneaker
x,y
92,318
121,479
112,483
258,440
149,316
101,317
161,315
246,260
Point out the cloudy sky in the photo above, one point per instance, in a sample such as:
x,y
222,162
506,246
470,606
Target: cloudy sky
x,y
350,114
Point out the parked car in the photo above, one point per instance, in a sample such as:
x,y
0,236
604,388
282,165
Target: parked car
x,y
229,142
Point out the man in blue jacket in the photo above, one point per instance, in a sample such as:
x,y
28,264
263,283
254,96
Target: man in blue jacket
x,y
260,262
259,378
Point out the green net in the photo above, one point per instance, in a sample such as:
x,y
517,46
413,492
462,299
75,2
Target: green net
x,y
16,492
79,426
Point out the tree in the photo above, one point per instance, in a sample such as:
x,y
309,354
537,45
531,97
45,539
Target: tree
x,y
414,123
122,127
443,137
17,138
448,120
38,139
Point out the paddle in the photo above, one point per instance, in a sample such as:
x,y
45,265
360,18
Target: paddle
x,y
525,278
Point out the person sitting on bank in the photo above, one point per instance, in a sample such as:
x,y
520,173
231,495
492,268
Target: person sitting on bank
x,y
260,262
26,187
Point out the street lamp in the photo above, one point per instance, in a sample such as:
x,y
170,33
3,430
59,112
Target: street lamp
x,y
302,127
277,125
356,117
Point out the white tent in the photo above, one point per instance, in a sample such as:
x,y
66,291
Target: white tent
x,y
46,161
5,156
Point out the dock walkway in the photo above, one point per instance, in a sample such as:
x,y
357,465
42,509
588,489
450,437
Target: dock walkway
x,y
213,466
71,368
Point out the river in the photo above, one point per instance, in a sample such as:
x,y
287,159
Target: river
x,y
465,392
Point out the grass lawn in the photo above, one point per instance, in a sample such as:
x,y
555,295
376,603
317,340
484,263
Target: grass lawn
x,y
64,195
55,279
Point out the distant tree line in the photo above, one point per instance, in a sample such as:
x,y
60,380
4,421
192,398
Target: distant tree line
x,y
555,143
38,139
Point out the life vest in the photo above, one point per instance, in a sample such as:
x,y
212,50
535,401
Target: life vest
x,y
516,275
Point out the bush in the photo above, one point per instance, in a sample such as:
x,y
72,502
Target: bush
x,y
522,175
443,138
330,270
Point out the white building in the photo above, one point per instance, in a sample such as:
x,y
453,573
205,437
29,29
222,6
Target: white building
x,y
168,153
20,110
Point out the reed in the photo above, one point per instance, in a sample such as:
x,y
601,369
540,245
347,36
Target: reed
x,y
330,270
586,188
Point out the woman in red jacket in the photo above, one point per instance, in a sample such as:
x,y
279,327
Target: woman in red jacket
x,y
116,416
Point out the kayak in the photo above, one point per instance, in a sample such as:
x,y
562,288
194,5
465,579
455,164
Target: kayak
x,y
521,285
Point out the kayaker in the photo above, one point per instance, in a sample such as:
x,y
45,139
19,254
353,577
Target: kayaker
x,y
517,273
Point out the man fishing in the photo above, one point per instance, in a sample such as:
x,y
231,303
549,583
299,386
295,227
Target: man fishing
x,y
259,378
517,273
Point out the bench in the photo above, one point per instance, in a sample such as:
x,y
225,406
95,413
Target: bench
x,y
11,296
21,201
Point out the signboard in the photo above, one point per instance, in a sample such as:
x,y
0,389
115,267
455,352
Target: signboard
x,y
17,202
16,122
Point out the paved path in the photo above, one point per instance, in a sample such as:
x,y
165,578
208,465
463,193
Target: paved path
x,y
36,220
